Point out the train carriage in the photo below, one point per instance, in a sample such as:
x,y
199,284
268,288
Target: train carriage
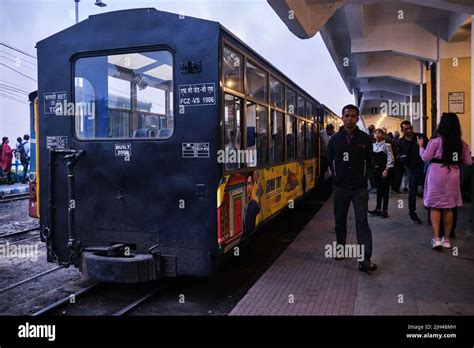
x,y
163,141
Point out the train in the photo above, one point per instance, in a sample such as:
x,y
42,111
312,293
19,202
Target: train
x,y
162,142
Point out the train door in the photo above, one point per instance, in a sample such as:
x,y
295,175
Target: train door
x,y
118,150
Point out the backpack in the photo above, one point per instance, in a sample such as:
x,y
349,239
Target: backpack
x,y
22,152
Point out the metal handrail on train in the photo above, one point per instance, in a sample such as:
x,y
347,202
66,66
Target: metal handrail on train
x,y
71,156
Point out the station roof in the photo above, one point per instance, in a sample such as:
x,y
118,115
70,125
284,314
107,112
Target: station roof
x,y
379,46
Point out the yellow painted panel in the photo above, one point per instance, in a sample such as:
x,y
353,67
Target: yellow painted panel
x,y
457,79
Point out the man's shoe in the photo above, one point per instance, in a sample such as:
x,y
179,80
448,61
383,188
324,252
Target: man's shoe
x,y
367,266
385,214
375,212
415,219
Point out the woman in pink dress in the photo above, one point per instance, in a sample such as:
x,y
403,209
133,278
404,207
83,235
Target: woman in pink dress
x,y
446,152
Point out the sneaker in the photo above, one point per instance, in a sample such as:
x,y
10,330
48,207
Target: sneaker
x,y
436,244
415,219
374,212
446,243
384,214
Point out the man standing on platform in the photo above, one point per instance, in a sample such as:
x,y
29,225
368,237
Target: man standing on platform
x,y
349,156
409,155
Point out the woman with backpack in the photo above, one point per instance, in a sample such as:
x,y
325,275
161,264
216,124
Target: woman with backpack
x,y
23,155
447,152
7,155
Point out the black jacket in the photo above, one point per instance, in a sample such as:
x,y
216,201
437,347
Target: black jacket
x,y
350,162
409,152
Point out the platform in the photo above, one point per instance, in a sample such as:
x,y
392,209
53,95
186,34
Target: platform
x,y
13,190
412,279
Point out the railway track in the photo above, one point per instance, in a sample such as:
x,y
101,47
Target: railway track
x,y
29,279
13,235
60,303
15,197
90,290
17,233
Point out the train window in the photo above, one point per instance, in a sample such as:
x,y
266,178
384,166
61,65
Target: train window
x,y
277,97
300,139
290,101
290,138
301,102
232,139
276,144
316,140
315,114
309,140
232,69
257,132
256,82
133,95
85,120
309,110
120,101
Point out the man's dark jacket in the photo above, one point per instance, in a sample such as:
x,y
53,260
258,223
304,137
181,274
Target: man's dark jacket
x,y
350,162
409,152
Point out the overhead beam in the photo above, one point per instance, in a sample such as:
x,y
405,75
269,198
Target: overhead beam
x,y
355,20
386,84
302,19
453,5
455,22
407,39
397,67
385,96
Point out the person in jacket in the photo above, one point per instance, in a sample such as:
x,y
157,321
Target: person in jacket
x,y
7,156
382,165
398,167
408,153
446,152
350,155
326,134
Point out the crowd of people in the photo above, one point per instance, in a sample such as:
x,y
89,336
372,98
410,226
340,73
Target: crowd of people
x,y
394,162
21,152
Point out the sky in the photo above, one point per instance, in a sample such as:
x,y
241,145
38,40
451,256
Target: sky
x,y
25,22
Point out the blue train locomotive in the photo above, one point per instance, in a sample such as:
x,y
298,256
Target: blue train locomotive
x,y
163,141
